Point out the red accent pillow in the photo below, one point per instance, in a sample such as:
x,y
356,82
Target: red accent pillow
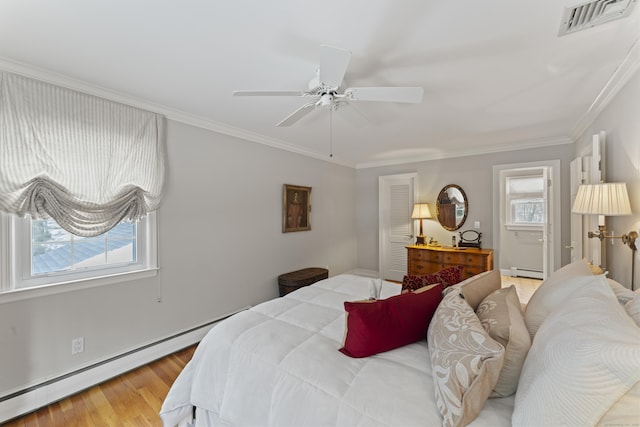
x,y
377,326
448,276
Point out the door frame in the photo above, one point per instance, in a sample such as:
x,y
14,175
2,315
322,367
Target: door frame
x,y
552,240
383,212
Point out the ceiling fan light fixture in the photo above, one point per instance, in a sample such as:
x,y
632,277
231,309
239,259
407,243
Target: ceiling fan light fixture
x,y
326,100
325,88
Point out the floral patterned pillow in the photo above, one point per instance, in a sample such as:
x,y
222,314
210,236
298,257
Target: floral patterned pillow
x,y
448,276
465,360
501,316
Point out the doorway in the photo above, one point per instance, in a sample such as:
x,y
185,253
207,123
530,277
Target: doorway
x,y
526,218
396,198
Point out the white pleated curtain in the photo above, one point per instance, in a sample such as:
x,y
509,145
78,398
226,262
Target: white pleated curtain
x,y
86,162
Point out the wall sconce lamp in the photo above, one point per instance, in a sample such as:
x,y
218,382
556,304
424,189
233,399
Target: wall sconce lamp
x,y
606,199
421,211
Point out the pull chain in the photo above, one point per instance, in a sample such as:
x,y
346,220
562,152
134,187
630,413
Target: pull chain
x,y
331,131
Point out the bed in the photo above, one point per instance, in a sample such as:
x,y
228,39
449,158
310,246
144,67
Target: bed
x,y
279,364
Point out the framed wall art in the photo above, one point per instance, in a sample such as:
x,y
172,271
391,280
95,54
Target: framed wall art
x,y
296,208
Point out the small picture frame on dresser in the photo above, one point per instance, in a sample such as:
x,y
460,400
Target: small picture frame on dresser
x,y
296,208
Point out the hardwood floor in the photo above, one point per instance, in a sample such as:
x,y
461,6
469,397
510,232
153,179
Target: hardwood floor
x,y
132,399
524,287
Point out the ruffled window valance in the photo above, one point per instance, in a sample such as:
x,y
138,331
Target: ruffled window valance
x,y
87,162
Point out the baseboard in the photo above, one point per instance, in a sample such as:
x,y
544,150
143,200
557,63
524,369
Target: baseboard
x,y
34,397
517,272
363,272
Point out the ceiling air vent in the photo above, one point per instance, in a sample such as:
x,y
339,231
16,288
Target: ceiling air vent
x,y
593,13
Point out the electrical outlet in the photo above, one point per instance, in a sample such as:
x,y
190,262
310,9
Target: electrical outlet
x,y
476,225
77,345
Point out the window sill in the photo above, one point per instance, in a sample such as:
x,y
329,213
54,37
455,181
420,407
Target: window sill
x,y
524,227
58,288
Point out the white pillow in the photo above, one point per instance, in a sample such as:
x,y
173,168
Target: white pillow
x,y
633,308
583,360
623,294
554,291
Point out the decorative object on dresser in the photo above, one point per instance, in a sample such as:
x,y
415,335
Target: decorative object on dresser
x,y
421,211
470,239
607,199
452,207
423,260
295,280
296,208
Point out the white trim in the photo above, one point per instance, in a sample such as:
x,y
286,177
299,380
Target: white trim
x,y
14,288
26,70
58,288
618,80
440,154
17,67
47,392
554,245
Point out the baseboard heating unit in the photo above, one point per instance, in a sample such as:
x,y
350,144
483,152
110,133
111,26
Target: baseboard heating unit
x,y
33,397
526,272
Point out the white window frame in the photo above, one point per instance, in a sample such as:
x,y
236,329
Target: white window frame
x,y
510,224
16,281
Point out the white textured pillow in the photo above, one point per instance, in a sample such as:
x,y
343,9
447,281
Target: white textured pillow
x,y
633,309
554,291
501,316
583,360
465,360
623,294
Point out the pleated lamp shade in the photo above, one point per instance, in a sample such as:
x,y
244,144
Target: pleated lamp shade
x,y
608,199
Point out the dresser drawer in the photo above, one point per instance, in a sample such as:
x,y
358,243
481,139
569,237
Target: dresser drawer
x,y
419,268
423,260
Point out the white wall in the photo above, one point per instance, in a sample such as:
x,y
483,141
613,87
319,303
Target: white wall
x,y
221,248
621,121
473,174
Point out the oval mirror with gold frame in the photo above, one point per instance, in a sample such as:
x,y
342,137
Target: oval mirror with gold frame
x,y
452,207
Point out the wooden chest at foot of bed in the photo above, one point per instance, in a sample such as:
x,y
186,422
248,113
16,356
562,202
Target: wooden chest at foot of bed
x,y
290,282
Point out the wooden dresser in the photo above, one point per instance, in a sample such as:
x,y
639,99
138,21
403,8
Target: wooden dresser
x,y
429,259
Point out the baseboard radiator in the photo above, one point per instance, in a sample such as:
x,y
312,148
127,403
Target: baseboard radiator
x,y
29,399
526,272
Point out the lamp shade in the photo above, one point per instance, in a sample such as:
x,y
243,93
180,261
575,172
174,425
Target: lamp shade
x,y
608,199
421,210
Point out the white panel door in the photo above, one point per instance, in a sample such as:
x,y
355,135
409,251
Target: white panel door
x,y
577,231
592,173
397,194
547,234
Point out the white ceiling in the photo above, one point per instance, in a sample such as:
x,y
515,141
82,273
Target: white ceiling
x,y
495,73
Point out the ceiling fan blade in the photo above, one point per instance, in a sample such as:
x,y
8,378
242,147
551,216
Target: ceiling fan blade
x,y
333,65
268,93
298,114
385,94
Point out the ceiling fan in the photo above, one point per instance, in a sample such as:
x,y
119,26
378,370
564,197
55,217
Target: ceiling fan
x,y
325,89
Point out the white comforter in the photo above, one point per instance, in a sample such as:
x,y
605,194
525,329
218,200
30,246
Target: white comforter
x,y
278,364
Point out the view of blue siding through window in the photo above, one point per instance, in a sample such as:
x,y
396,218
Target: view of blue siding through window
x,y
55,250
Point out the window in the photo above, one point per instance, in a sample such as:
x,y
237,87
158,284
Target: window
x,y
43,254
525,201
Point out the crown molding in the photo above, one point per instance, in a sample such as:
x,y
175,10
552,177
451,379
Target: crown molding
x,y
47,76
516,146
622,74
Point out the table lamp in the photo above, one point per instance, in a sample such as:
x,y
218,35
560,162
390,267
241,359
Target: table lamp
x,y
420,211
